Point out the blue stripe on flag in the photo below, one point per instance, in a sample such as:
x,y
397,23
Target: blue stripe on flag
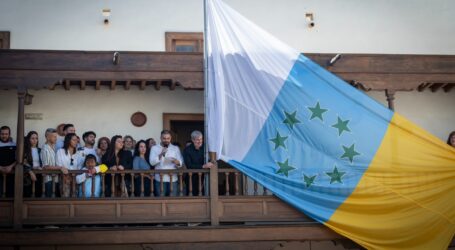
x,y
321,133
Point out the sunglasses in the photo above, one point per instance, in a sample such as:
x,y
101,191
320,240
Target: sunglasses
x,y
72,161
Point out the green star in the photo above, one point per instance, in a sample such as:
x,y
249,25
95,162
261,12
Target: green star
x,y
291,119
349,152
284,168
335,176
317,111
279,140
341,126
309,180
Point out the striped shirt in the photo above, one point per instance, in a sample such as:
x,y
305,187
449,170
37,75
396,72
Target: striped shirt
x,y
48,159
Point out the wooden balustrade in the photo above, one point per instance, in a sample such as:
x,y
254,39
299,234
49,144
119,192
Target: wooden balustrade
x,y
140,183
121,184
238,184
220,196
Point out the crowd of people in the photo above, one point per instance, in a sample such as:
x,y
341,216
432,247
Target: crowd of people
x,y
64,152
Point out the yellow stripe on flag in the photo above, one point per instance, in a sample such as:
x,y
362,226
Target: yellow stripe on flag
x,y
406,198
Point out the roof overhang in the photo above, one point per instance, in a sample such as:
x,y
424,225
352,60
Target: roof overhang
x,y
38,69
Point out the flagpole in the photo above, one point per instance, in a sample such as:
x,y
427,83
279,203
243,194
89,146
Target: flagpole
x,y
206,78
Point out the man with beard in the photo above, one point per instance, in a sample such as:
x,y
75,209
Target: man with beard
x,y
166,156
89,139
7,160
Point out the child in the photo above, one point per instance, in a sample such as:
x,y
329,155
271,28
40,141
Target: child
x,y
86,178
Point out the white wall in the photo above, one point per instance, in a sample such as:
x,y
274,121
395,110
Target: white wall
x,y
106,112
431,111
347,26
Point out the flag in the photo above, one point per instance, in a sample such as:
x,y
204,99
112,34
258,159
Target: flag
x,y
322,146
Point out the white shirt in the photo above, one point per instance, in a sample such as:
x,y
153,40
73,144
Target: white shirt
x,y
48,159
63,159
35,156
87,151
165,161
59,143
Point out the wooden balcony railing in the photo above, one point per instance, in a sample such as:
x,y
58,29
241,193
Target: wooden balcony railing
x,y
133,197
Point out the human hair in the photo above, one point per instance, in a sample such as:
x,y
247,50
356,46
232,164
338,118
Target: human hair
x,y
50,131
6,128
67,141
147,142
104,138
111,150
28,147
450,136
68,125
126,137
166,132
88,157
195,134
87,134
136,148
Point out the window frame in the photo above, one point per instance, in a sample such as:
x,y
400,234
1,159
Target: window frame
x,y
172,39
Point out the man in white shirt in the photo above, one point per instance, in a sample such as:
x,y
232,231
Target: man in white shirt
x,y
89,138
49,163
166,156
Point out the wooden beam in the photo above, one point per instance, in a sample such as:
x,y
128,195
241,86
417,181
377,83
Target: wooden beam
x,y
214,213
37,69
97,85
448,87
127,85
18,171
390,94
435,86
158,85
67,85
87,236
83,85
113,83
172,86
142,85
423,86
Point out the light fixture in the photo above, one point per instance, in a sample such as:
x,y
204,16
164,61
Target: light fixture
x,y
310,19
106,15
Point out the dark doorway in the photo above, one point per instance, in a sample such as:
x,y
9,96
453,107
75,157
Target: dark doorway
x,y
181,131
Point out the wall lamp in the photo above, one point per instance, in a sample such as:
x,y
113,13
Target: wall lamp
x,y
309,17
106,15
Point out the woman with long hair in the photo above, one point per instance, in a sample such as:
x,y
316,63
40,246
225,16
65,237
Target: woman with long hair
x,y
68,157
32,160
140,163
117,159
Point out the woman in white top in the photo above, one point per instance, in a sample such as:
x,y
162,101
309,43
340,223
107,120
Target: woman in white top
x,y
32,161
68,157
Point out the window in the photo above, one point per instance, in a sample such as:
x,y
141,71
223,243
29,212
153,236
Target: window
x,y
184,41
4,39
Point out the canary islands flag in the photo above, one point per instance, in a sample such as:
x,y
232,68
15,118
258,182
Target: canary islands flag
x,y
321,145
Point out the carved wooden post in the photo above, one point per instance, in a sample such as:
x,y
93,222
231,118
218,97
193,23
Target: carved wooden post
x,y
19,171
214,216
390,94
